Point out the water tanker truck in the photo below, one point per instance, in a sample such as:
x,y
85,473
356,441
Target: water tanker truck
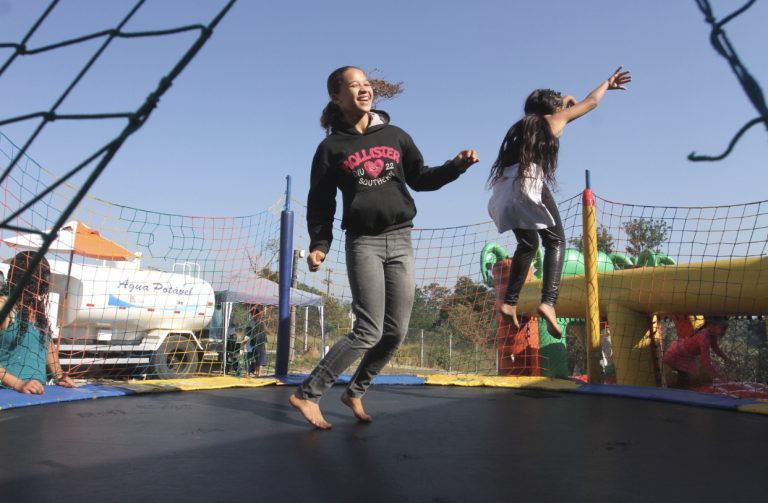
x,y
113,316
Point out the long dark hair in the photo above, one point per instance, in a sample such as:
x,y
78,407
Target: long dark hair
x,y
530,140
332,114
34,297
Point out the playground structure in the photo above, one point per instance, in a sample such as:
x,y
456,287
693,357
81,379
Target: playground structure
x,y
629,298
633,294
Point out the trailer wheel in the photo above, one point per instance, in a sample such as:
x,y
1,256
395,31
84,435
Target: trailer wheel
x,y
177,357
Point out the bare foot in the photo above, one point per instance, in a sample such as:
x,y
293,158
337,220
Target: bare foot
x,y
311,412
548,313
510,314
357,407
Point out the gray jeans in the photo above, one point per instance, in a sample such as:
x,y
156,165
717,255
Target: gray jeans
x,y
381,277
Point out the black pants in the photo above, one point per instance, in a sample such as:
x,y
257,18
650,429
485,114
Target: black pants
x,y
553,239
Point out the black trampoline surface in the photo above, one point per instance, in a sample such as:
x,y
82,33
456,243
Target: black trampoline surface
x,y
426,444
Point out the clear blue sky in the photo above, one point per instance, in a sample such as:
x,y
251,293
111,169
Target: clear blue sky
x,y
245,113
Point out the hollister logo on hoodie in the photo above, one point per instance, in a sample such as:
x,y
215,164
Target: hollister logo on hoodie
x,y
372,161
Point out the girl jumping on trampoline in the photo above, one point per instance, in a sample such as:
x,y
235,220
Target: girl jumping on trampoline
x,y
521,199
372,162
26,348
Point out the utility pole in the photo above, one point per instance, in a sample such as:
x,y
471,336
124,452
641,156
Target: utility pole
x,y
328,281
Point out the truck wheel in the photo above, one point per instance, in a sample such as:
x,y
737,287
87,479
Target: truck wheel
x,y
177,357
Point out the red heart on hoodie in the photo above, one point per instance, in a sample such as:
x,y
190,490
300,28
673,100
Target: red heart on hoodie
x,y
374,168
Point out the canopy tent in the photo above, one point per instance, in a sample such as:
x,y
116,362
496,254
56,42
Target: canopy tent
x,y
75,238
252,289
256,290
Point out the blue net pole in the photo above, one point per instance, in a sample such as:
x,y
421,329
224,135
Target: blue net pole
x,y
286,256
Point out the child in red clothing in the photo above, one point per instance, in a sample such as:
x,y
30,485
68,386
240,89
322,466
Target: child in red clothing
x,y
690,356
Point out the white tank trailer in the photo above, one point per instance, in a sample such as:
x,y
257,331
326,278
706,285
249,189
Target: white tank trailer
x,y
114,316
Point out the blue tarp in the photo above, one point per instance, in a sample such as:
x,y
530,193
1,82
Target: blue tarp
x,y
665,395
10,399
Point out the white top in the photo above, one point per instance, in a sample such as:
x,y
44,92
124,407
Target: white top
x,y
516,203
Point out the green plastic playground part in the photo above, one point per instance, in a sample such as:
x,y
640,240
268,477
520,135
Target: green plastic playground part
x,y
491,253
650,258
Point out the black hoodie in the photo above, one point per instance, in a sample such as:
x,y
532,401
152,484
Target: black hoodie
x,y
371,170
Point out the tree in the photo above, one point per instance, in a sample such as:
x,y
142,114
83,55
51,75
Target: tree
x,y
469,311
427,304
644,234
605,242
266,272
469,293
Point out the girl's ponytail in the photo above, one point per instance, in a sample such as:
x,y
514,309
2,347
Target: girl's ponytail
x,y
331,115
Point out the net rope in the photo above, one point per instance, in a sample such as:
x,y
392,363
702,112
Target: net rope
x,y
21,216
454,325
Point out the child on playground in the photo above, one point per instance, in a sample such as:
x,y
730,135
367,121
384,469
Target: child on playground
x,y
521,200
256,340
372,162
26,348
690,355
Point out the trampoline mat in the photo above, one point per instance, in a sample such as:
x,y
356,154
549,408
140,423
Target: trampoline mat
x,y
426,444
